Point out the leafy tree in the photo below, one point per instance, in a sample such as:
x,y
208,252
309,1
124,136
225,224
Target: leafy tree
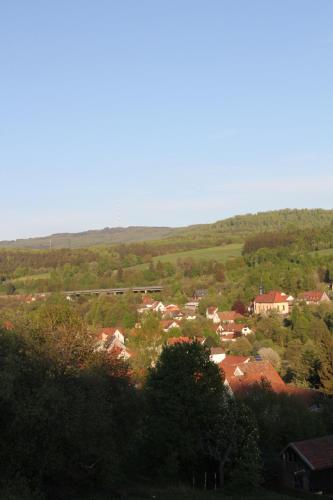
x,y
325,371
181,395
267,353
281,418
233,442
239,307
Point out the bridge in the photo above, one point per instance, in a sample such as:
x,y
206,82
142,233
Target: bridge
x,y
114,291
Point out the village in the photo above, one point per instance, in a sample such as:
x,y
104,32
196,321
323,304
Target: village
x,y
307,465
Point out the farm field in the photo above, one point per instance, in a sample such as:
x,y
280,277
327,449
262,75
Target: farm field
x,y
40,276
220,254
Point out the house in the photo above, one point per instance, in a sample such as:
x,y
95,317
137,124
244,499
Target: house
x,y
231,331
314,297
171,308
112,340
217,354
192,305
189,315
155,306
106,333
229,316
147,300
239,328
167,325
273,301
308,465
229,365
200,294
172,311
242,374
212,314
117,349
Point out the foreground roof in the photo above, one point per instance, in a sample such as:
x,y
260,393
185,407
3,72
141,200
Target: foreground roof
x,y
242,374
317,453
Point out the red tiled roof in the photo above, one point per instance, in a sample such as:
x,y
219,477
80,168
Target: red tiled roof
x,y
233,327
229,336
229,315
185,340
312,296
147,300
172,307
271,298
308,396
318,453
110,330
179,340
166,323
231,362
254,372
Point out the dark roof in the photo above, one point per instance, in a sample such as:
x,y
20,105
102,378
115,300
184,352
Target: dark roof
x,y
317,453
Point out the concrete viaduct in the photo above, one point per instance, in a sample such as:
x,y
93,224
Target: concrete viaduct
x,y
114,291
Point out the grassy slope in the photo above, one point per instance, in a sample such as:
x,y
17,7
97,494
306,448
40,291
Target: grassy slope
x,y
236,227
33,277
220,254
326,251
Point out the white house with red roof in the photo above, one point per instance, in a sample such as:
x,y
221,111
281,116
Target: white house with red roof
x,y
167,325
241,374
212,314
313,297
112,340
116,333
230,316
155,306
231,331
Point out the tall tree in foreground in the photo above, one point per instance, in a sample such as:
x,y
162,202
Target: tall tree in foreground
x,y
189,413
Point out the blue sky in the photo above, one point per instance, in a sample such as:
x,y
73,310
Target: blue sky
x,y
162,112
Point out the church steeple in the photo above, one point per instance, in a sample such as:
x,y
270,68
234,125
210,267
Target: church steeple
x,y
261,287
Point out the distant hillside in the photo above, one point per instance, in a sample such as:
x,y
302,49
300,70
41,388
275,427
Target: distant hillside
x,y
274,220
106,236
235,228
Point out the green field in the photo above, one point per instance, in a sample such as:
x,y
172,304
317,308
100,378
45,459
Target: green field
x,y
326,251
40,276
220,254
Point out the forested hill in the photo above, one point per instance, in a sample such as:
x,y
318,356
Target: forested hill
x,y
275,220
235,228
106,236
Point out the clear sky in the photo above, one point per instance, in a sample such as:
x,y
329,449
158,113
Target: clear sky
x,y
162,112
